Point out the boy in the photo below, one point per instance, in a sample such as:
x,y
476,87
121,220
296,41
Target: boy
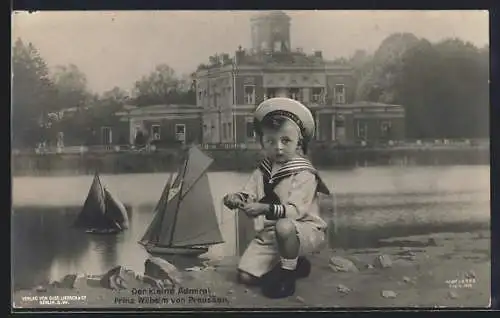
x,y
281,196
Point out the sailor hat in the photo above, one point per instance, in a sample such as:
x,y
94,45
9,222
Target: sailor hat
x,y
289,108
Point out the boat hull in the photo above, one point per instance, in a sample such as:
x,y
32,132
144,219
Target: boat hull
x,y
187,251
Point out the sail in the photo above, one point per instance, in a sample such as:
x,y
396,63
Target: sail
x,y
152,232
196,222
197,164
115,211
187,217
94,208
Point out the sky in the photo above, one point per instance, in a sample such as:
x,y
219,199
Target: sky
x,y
116,48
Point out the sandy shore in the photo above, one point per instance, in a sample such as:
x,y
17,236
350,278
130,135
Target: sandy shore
x,y
441,270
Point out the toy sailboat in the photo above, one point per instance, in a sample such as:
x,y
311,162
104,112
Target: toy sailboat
x,y
102,213
185,222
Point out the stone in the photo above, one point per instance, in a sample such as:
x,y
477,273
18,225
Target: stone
x,y
93,280
388,294
80,282
156,283
343,289
159,268
383,261
119,278
369,266
41,289
68,281
299,299
452,294
470,274
431,242
406,279
340,264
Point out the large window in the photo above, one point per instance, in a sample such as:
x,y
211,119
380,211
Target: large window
x,y
155,132
294,93
249,94
180,132
339,94
385,128
362,130
270,93
250,132
317,92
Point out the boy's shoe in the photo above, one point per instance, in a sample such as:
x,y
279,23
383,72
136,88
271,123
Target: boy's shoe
x,y
280,285
302,271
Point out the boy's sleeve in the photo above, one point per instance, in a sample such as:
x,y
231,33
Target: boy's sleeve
x,y
301,195
249,191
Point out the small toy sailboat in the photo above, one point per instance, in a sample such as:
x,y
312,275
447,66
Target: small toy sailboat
x,y
185,222
102,213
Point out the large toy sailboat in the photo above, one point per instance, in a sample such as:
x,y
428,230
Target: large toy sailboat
x,y
185,222
102,213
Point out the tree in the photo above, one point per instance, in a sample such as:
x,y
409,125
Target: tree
x,y
162,86
71,86
32,95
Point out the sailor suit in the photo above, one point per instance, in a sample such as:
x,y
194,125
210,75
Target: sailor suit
x,y
292,191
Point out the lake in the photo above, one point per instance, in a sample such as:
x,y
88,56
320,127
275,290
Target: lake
x,y
45,248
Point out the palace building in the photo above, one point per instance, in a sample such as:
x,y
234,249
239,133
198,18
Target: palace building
x,y
229,89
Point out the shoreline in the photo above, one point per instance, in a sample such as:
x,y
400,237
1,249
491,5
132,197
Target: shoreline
x,y
453,271
241,160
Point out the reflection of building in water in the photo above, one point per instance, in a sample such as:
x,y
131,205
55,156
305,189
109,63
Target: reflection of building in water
x,y
229,89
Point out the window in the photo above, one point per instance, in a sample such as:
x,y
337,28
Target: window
x,y
277,46
155,132
249,94
224,131
316,94
339,94
385,128
229,130
106,136
180,132
294,93
362,130
250,132
270,93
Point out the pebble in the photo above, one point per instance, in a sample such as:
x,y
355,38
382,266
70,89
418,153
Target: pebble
x,y
343,289
470,274
388,294
406,279
340,264
383,261
452,294
431,242
41,289
300,299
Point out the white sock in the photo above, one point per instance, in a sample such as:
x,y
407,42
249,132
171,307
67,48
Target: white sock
x,y
289,263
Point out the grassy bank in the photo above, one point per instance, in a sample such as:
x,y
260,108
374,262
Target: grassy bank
x,y
239,159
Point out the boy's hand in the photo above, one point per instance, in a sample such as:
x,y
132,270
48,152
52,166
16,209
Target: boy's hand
x,y
255,209
232,201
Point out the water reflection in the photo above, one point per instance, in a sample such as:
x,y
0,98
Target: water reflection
x,y
45,247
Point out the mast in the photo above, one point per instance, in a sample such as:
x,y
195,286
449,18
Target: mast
x,y
159,212
178,201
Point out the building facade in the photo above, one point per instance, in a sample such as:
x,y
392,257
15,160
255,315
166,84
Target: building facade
x,y
165,124
229,90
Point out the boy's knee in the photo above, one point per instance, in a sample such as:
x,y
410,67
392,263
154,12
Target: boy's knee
x,y
285,228
247,279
